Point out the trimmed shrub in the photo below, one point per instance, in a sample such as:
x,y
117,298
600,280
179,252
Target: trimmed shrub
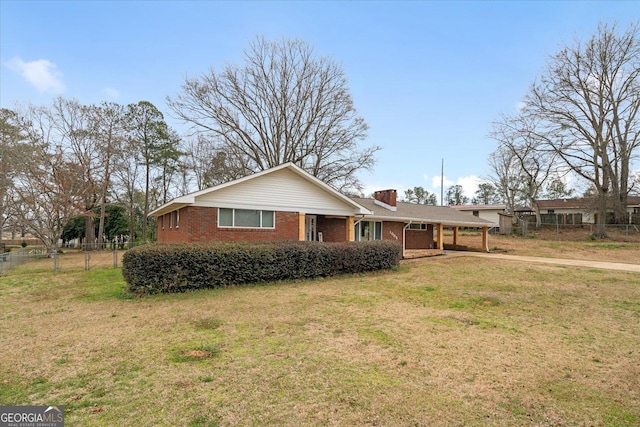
x,y
179,267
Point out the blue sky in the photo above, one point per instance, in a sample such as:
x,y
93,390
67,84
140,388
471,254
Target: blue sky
x,y
428,77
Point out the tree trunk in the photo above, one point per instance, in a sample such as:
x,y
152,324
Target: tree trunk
x,y
146,204
101,226
90,233
601,218
132,224
538,216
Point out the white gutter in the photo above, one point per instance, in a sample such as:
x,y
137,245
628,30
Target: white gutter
x,y
490,228
444,222
404,238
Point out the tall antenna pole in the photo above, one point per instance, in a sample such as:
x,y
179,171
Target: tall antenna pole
x,y
442,183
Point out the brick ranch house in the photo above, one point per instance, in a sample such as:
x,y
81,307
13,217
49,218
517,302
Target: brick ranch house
x,y
287,203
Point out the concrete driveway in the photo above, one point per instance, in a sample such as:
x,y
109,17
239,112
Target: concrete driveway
x,y
557,261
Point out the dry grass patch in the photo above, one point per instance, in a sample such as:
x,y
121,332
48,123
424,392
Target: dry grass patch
x,y
446,341
569,244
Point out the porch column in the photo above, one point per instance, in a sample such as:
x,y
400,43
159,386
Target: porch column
x,y
485,239
455,236
301,227
441,237
350,237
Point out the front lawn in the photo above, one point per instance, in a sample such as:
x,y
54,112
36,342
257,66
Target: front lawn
x,y
443,341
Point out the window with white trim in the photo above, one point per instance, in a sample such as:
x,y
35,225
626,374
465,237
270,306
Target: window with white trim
x,y
417,226
368,230
245,218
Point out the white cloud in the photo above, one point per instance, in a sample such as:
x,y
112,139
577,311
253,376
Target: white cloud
x,y
41,74
436,180
469,184
111,92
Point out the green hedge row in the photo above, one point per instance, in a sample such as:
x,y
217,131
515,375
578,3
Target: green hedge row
x,y
179,267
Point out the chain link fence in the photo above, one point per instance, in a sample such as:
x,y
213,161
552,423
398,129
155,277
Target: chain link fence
x,y
37,258
624,232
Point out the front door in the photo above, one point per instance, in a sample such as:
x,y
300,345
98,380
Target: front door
x,y
310,227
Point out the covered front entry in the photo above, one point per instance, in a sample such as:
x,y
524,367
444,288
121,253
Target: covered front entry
x,y
310,228
325,228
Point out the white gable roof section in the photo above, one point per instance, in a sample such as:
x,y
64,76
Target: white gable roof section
x,y
285,188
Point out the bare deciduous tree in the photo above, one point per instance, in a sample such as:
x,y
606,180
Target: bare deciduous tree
x,y
72,124
210,165
283,105
49,188
529,161
587,105
128,177
11,139
506,177
108,130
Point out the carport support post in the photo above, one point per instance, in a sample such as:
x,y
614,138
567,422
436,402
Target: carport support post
x,y
455,236
301,227
441,237
485,238
350,237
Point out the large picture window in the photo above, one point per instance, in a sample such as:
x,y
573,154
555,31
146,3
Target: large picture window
x,y
368,230
245,218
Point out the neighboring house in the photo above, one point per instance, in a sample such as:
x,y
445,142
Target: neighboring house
x,y
489,212
579,210
287,203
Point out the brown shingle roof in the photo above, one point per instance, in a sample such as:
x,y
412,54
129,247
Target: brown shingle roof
x,y
578,203
478,207
412,212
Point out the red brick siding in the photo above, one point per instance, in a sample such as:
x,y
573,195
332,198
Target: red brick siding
x,y
420,239
392,231
332,229
200,224
167,230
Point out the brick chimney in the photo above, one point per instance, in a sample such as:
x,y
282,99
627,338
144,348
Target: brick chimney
x,y
386,197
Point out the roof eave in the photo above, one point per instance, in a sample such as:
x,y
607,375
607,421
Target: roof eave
x,y
432,221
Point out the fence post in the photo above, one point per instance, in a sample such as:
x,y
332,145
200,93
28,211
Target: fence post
x,y
86,260
115,256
